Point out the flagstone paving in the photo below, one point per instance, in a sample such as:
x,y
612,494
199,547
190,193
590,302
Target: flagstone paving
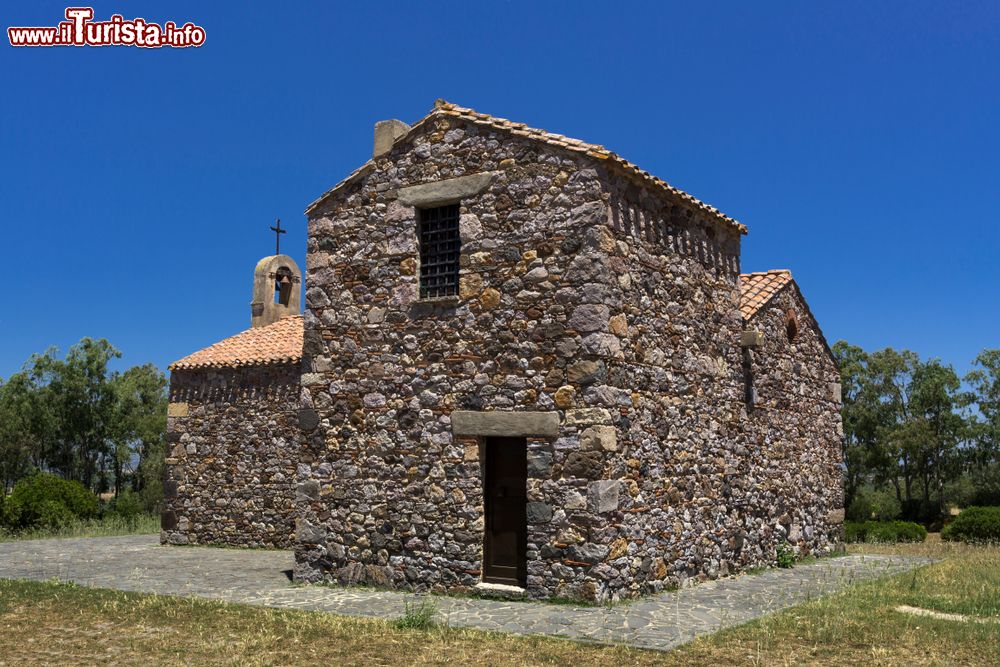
x,y
140,563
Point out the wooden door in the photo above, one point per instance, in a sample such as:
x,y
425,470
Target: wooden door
x,y
505,482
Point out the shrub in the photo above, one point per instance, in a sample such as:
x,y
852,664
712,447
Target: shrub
x,y
974,524
884,531
785,555
127,506
871,504
48,501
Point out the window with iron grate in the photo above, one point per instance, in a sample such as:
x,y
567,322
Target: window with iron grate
x,y
440,249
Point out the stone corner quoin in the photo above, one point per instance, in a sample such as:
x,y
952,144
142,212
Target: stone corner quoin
x,y
596,328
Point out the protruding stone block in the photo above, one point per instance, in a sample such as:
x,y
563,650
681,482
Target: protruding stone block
x,y
311,378
588,552
585,372
490,298
599,438
386,133
587,416
307,533
539,513
539,464
308,490
564,397
308,419
751,339
586,465
590,317
177,410
603,345
602,496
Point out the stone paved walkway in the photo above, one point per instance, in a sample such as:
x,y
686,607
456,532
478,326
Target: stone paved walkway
x,y
139,563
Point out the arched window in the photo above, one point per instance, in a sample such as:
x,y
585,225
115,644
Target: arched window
x,y
283,286
791,325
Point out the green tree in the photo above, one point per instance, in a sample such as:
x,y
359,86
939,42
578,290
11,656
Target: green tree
x,y
984,381
904,426
919,429
27,427
984,459
82,399
139,426
75,418
938,427
858,414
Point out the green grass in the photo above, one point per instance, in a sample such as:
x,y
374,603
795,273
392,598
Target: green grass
x,y
418,616
861,626
48,623
144,524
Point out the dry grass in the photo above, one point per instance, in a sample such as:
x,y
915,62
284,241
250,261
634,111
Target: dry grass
x,y
109,526
861,627
70,625
53,623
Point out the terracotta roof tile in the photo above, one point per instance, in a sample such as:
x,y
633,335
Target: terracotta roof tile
x,y
279,342
442,108
756,289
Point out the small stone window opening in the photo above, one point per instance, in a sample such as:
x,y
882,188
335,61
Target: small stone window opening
x,y
749,393
440,250
791,326
283,286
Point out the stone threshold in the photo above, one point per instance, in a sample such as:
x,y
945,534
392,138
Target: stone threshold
x,y
505,591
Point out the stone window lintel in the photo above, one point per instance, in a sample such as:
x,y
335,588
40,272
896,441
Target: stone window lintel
x,y
447,191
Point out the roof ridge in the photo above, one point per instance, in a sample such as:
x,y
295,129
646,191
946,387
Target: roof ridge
x,y
594,150
765,273
597,151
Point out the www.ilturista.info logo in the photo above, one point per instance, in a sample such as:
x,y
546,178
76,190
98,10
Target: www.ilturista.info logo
x,y
80,30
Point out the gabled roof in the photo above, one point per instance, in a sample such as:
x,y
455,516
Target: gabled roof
x,y
278,342
756,289
595,151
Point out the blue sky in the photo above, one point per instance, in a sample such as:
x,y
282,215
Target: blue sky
x,y
859,141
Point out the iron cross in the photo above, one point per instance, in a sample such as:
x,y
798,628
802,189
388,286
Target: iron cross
x,y
278,231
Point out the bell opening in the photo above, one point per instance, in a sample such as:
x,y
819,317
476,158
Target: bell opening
x,y
283,286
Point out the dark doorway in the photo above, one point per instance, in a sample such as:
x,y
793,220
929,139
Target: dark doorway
x,y
505,500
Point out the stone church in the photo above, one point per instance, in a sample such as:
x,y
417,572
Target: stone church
x,y
525,365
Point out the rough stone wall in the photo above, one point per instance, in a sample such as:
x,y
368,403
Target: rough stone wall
x,y
673,393
796,429
230,471
581,293
710,487
388,495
